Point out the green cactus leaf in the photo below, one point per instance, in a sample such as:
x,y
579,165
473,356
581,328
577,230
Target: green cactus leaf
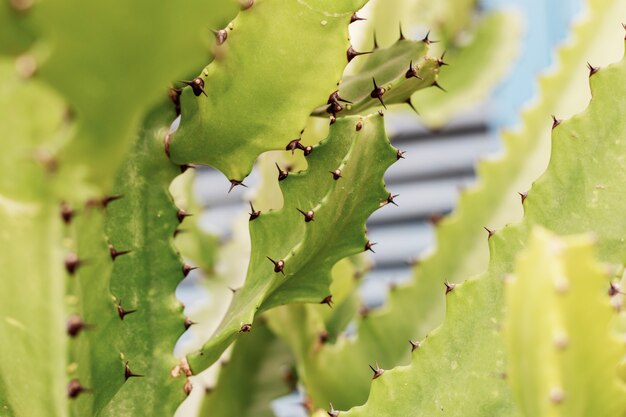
x,y
102,66
389,69
303,252
250,379
457,369
32,315
273,71
562,358
16,33
462,249
473,71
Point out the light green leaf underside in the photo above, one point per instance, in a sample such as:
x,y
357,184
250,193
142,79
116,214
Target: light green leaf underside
x,y
458,369
562,358
310,249
461,240
273,71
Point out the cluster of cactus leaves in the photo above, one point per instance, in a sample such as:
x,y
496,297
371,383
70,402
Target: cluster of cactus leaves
x,y
91,236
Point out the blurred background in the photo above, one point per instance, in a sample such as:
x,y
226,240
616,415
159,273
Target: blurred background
x,y
442,145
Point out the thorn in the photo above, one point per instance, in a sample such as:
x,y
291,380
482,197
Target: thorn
x,y
489,231
245,328
436,84
378,92
253,213
197,86
129,374
115,253
181,215
166,145
440,60
414,345
281,174
368,246
376,46
74,389
332,412
359,126
592,69
400,154
308,216
427,40
293,145
72,263
220,36
364,311
174,95
410,103
188,323
334,98
555,121
449,287
401,34
523,196
336,174
178,232
188,268
328,300
67,214
412,72
351,53
389,200
307,151
123,313
380,113
234,183
614,289
234,290
278,266
435,218
355,18
75,325
377,371
333,119
334,108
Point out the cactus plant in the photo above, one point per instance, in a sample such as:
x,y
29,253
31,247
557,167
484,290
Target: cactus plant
x,y
89,308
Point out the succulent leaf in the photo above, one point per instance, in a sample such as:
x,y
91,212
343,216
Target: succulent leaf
x,y
294,248
274,70
576,194
562,358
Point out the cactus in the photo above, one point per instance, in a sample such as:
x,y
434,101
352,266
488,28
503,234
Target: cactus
x,y
468,345
247,84
462,249
559,276
294,248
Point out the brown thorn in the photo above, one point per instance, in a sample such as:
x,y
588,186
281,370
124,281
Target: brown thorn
x,y
410,103
436,84
412,72
328,300
67,214
166,145
234,183
278,265
400,154
427,40
368,246
489,231
74,388
188,323
378,92
592,69
332,412
115,253
414,345
449,287
75,325
188,268
401,38
293,145
123,313
281,174
359,126
220,36
245,328
351,53
523,196
355,18
72,263
336,174
130,374
308,216
197,86
181,215
555,121
377,371
440,60
253,213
